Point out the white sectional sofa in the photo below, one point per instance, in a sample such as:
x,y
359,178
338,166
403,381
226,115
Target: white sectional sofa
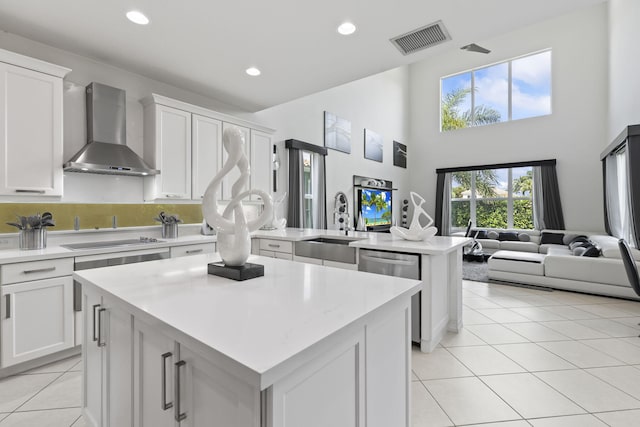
x,y
556,266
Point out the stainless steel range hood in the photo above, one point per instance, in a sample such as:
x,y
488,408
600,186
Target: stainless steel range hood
x,y
107,152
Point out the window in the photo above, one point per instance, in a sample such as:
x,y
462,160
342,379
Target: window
x,y
492,198
512,90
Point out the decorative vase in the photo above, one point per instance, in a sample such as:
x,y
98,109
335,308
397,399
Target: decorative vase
x,y
232,227
32,238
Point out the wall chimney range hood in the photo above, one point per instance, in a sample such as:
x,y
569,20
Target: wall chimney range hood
x,y
106,151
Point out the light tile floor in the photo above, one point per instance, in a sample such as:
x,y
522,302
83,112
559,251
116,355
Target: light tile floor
x,y
530,357
525,358
44,397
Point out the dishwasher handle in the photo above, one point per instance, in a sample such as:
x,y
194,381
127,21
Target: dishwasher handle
x,y
388,260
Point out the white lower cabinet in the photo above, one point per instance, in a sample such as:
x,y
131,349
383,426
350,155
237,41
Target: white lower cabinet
x,y
107,350
174,386
36,318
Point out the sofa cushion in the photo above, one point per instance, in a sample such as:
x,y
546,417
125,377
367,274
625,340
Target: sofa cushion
x,y
551,238
508,236
493,234
490,244
594,270
543,249
519,246
517,262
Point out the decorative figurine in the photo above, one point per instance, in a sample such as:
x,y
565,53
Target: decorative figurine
x,y
416,231
232,227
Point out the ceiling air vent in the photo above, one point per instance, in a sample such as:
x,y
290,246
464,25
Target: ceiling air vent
x,y
421,38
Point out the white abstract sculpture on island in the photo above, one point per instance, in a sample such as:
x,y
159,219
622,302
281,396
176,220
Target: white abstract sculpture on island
x,y
416,231
278,223
234,241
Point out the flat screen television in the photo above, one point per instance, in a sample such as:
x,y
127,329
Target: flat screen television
x,y
375,207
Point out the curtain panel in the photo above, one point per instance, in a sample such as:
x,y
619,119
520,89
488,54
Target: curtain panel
x,y
295,210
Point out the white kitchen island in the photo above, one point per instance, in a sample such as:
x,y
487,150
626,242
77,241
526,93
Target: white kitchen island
x,y
167,344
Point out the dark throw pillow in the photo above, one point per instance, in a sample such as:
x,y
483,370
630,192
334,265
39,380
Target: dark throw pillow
x,y
591,251
551,238
508,236
481,234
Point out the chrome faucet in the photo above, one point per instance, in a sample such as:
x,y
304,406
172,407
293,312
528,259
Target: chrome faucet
x,y
341,215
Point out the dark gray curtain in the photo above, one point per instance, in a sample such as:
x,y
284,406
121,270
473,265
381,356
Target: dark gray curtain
x,y
439,201
295,211
551,204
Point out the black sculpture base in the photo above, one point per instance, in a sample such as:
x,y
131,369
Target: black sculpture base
x,y
243,272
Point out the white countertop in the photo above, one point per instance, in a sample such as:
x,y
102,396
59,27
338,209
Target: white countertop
x,y
368,240
9,256
260,323
381,241
436,245
298,234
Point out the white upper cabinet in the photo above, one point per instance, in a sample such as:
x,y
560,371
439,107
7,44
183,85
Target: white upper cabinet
x,y
30,126
167,147
206,155
261,164
184,141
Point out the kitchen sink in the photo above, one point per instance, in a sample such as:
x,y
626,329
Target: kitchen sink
x,y
327,248
110,243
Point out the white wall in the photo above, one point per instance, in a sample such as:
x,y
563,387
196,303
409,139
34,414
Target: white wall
x,y
574,134
624,65
379,103
84,187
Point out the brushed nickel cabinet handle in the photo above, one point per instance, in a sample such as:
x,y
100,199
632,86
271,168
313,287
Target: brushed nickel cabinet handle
x,y
7,310
179,416
271,245
194,251
100,342
39,270
95,337
165,405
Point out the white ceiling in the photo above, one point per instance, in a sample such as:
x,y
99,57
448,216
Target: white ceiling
x,y
205,45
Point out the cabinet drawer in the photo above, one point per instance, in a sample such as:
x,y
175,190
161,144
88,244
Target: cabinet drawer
x,y
199,249
276,245
35,270
283,255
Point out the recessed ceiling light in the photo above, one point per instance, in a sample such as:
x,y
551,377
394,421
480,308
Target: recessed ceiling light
x,y
253,71
346,28
137,17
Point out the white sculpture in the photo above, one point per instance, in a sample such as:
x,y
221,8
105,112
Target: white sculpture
x,y
278,223
234,241
416,231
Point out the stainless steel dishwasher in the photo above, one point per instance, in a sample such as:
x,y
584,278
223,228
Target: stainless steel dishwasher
x,y
396,264
110,259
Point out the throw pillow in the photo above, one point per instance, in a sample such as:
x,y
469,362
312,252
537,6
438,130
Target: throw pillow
x,y
551,238
524,237
591,251
492,234
579,244
507,236
568,238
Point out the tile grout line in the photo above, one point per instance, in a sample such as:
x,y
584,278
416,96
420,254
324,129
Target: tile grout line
x,y
437,403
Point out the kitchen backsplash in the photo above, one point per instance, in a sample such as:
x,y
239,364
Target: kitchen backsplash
x,y
97,216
